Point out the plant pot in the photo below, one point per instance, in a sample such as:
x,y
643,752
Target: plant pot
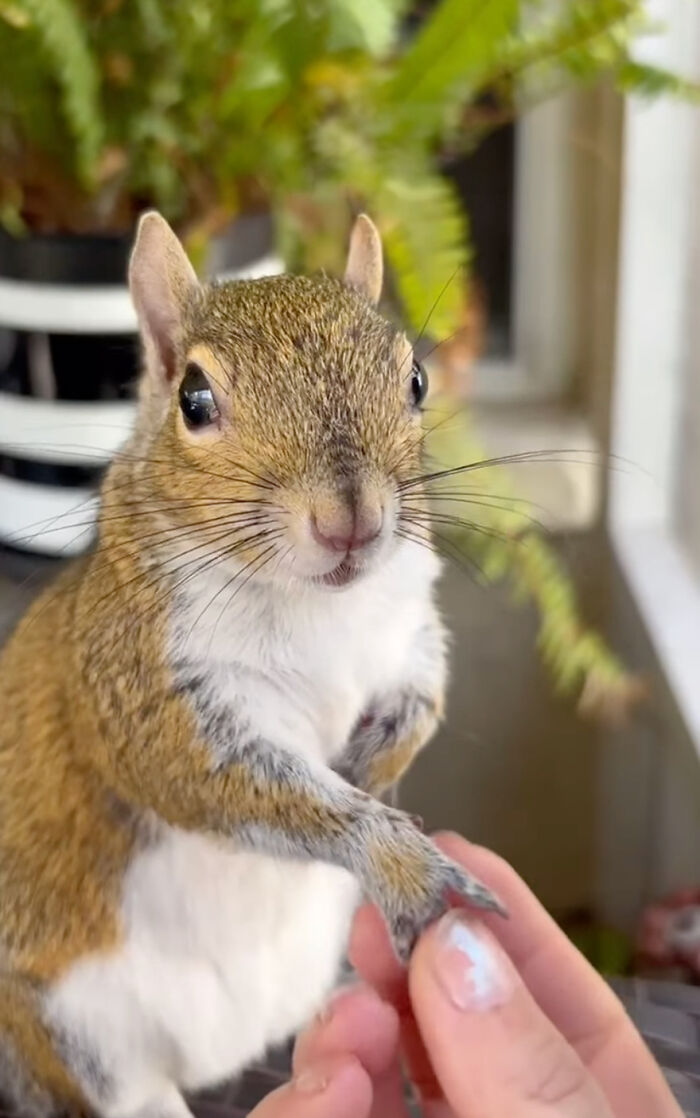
x,y
68,367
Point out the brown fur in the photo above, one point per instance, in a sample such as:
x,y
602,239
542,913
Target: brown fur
x,y
39,1069
58,901
405,877
388,766
386,769
96,741
76,737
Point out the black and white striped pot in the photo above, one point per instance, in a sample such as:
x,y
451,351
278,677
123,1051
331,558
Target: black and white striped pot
x,y
68,364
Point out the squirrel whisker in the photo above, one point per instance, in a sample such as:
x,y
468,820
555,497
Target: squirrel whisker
x,y
207,560
229,551
236,575
565,456
458,522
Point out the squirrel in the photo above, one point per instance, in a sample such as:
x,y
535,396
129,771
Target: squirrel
x,y
200,714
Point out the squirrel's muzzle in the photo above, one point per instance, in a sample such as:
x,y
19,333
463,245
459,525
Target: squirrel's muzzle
x,y
348,519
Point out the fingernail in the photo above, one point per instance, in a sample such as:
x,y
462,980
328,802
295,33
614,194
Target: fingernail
x,y
311,1081
469,966
325,1014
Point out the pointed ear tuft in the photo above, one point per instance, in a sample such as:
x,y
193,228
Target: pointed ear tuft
x,y
364,269
161,280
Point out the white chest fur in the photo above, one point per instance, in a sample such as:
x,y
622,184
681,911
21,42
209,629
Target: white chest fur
x,y
226,952
306,665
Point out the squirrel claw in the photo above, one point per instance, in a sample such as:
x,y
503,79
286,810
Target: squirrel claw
x,y
406,927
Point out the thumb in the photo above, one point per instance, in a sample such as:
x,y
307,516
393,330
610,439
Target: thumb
x,y
492,1048
332,1087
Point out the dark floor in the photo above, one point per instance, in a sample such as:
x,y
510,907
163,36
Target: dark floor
x,y
238,1099
668,1016
21,577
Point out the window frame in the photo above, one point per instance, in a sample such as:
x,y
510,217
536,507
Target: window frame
x,y
658,238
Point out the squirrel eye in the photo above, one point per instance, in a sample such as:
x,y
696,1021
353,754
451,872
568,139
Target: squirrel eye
x,y
419,383
197,401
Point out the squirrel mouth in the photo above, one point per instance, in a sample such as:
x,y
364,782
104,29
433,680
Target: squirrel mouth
x,y
341,575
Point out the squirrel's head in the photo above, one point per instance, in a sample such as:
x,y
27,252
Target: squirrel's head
x,y
278,417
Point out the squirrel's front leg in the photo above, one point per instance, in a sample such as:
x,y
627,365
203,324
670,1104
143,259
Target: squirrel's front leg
x,y
388,737
396,726
269,799
280,805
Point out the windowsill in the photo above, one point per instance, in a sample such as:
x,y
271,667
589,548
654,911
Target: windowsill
x,y
564,489
667,595
504,380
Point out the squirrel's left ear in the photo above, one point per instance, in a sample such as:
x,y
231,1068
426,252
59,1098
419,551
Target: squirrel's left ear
x,y
162,280
364,269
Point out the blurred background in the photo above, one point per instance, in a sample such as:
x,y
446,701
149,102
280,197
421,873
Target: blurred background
x,y
532,166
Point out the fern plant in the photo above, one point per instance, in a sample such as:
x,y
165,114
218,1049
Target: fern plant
x,y
309,109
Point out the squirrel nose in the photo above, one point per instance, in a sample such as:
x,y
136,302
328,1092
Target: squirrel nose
x,y
348,526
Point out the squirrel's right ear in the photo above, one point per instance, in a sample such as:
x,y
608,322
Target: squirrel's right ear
x,y
161,280
365,268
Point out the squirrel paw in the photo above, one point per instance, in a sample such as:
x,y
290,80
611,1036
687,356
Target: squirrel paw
x,y
412,883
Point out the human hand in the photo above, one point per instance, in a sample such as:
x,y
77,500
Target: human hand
x,y
492,1018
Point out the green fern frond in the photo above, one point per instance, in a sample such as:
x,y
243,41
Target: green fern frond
x,y
61,32
582,32
358,25
443,67
426,239
423,224
153,22
577,657
458,41
506,547
13,15
586,40
652,81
